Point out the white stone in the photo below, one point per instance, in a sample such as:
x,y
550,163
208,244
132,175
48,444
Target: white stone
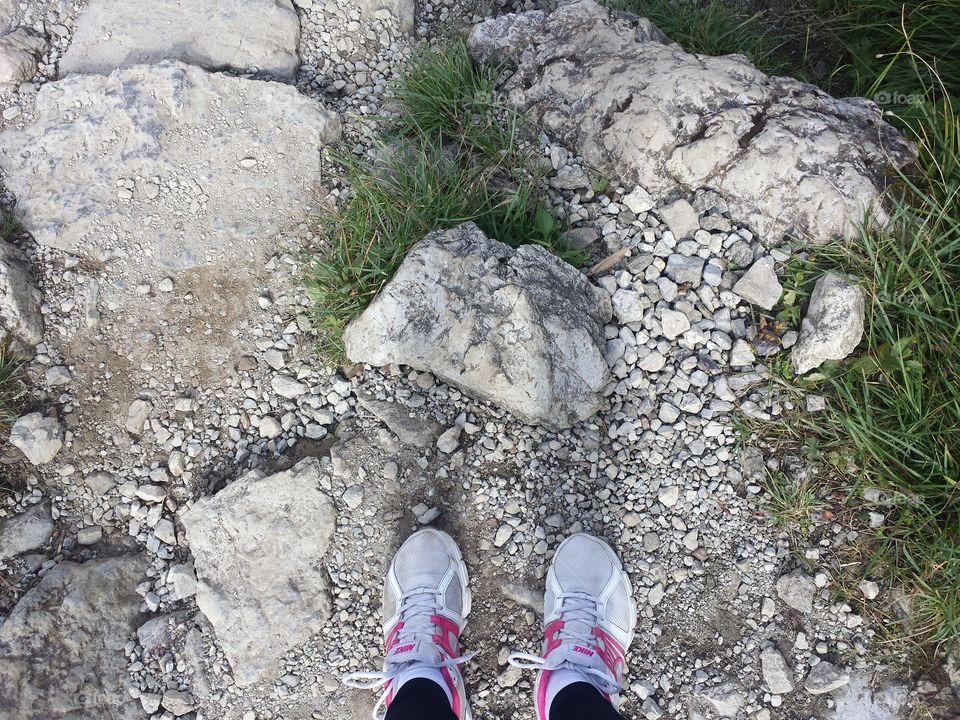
x,y
24,532
182,579
629,305
759,285
681,218
796,589
638,201
19,52
39,437
833,325
137,414
286,386
89,535
825,677
776,673
742,354
21,324
449,440
270,427
674,324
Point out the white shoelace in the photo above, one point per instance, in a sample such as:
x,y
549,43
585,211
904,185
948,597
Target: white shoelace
x,y
416,609
579,613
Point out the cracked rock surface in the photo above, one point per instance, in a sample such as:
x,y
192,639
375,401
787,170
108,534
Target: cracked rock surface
x,y
520,328
240,35
62,646
786,156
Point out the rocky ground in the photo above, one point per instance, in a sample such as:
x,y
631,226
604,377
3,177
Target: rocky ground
x,y
206,511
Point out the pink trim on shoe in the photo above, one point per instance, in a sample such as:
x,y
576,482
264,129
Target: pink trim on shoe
x,y
449,636
610,652
455,704
392,636
542,679
550,633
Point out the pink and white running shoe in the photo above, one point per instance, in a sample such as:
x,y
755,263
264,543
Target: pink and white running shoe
x,y
588,622
426,600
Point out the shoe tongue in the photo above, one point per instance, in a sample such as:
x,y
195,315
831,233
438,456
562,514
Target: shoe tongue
x,y
418,651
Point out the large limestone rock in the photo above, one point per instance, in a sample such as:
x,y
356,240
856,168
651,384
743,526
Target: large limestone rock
x,y
61,649
785,155
183,165
19,53
833,325
258,547
519,328
240,35
21,324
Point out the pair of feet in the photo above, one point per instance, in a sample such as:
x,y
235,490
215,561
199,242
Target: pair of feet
x,y
589,619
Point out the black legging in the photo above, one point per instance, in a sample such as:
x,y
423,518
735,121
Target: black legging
x,y
423,699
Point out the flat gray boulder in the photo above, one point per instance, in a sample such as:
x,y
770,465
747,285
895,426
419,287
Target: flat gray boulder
x,y
240,35
519,328
27,531
258,548
186,166
21,324
833,325
785,155
61,649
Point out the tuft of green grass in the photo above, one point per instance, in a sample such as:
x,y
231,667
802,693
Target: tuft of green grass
x,y
9,225
794,503
894,409
713,28
451,153
12,389
865,47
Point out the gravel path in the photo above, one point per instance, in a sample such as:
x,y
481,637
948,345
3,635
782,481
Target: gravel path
x,y
170,385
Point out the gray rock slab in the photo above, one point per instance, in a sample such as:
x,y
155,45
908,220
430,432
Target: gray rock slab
x,y
27,531
517,327
258,548
409,427
240,35
158,158
861,699
825,677
21,324
61,648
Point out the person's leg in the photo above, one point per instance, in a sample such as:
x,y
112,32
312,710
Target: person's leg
x,y
588,623
420,699
582,701
426,601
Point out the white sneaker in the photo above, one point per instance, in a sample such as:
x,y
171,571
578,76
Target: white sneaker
x,y
426,601
588,622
